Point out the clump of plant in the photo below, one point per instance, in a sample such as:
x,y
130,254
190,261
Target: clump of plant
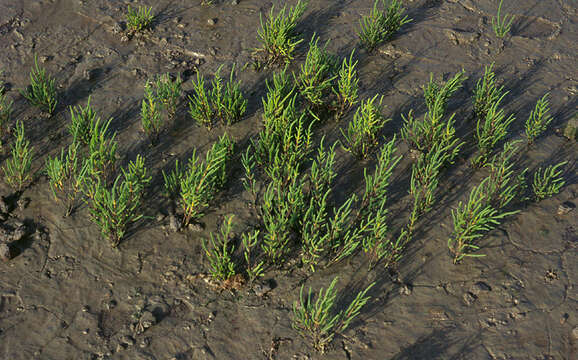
x,y
151,120
317,318
82,122
315,75
381,24
486,93
66,176
254,267
42,89
362,132
223,102
539,119
347,87
485,207
490,130
434,129
17,167
471,221
196,185
548,182
168,93
277,34
101,150
502,25
140,19
219,250
114,208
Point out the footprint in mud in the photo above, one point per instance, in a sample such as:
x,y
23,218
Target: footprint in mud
x,y
535,28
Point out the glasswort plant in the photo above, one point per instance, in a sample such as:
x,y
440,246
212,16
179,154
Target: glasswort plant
x,y
42,89
502,25
381,25
17,167
548,182
539,119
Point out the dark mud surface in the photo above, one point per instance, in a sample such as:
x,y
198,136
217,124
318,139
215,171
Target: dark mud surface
x,y
67,294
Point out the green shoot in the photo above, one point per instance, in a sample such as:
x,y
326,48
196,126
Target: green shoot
x,y
255,269
102,150
228,102
347,86
380,25
318,320
548,181
199,105
315,78
277,35
168,93
151,120
140,19
361,135
502,25
82,121
17,167
539,119
42,89
219,252
486,93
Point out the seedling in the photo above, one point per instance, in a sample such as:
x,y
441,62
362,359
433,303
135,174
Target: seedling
x,y
201,180
151,119
361,135
319,321
471,221
437,95
168,93
254,268
42,89
548,181
277,34
381,24
82,122
347,86
140,19
315,75
101,150
17,167
539,119
199,104
490,130
487,93
502,25
114,209
66,175
219,252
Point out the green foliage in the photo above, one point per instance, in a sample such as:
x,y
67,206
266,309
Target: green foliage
x,y
224,102
433,129
66,175
548,182
315,76
17,167
201,180
502,25
539,119
490,130
347,85
220,251
42,89
114,209
254,268
472,220
82,122
318,319
361,135
140,19
277,34
151,120
381,24
487,93
168,93
101,150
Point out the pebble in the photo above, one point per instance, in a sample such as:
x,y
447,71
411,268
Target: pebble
x,y
469,298
212,21
575,333
127,340
262,288
5,254
405,289
196,227
566,207
235,2
160,217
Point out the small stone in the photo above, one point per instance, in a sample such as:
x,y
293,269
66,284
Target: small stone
x,y
469,298
564,318
5,253
23,203
405,289
124,38
44,58
235,2
85,331
147,320
127,340
571,129
144,342
566,207
160,217
262,288
174,223
575,333
212,21
213,51
85,308
196,227
479,287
